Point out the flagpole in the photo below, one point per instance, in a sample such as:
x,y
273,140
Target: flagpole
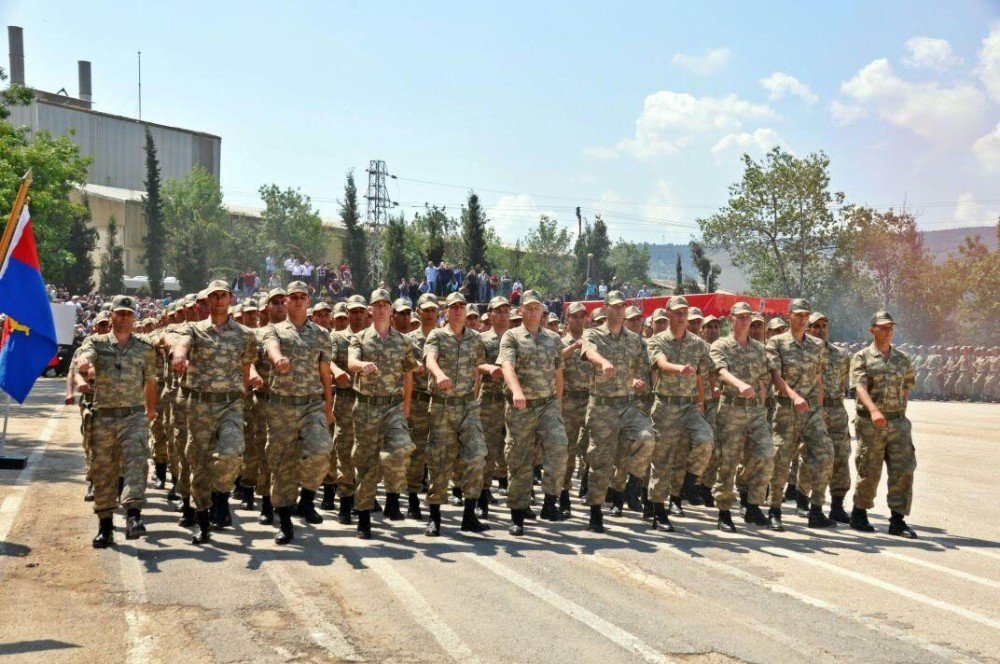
x,y
15,212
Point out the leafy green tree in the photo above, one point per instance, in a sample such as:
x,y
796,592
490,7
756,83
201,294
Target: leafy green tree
x,y
547,258
780,225
194,222
395,265
82,242
978,309
155,236
434,226
290,224
14,95
679,279
473,232
629,263
112,270
356,242
707,270
594,241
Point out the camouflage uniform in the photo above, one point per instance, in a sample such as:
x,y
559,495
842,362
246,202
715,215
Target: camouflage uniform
x,y
536,358
176,419
491,413
456,443
684,441
86,414
801,366
742,422
256,470
834,379
577,373
644,401
887,380
380,431
420,420
341,470
159,427
119,441
614,421
212,390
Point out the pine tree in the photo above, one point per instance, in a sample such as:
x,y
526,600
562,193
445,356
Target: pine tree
x,y
393,255
356,242
82,242
112,270
474,232
155,236
679,288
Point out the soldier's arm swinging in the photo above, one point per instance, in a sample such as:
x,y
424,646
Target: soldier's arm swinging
x,y
559,384
179,353
326,378
152,399
440,377
600,362
785,389
517,394
671,368
861,392
407,392
745,390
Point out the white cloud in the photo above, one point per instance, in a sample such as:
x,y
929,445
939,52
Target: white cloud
x,y
670,120
513,216
600,152
845,114
780,84
947,116
713,60
987,149
930,53
989,63
971,212
731,145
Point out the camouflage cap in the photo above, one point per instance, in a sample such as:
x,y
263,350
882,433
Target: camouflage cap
x,y
757,318
455,298
499,301
817,316
102,317
356,301
190,300
614,297
202,295
677,302
339,310
485,317
598,314
379,295
250,304
576,308
799,306
401,304
735,310
123,303
553,318
428,301
515,313
529,296
236,310
882,318
647,323
321,306
633,312
709,319
659,314
777,323
471,310
217,285
694,313
275,292
414,318
297,287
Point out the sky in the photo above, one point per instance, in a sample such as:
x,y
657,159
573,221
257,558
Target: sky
x,y
638,112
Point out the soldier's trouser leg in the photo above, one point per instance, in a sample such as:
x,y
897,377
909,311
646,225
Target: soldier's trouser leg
x,y
251,461
540,424
456,448
86,433
892,444
381,438
840,437
608,427
133,436
678,427
740,426
419,430
179,416
119,448
343,445
793,472
105,464
574,413
298,451
491,417
817,454
260,436
712,468
788,431
214,449
158,435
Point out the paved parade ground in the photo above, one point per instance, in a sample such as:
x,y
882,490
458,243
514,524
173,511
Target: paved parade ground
x,y
558,594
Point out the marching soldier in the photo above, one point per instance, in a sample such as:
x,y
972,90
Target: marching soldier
x,y
577,373
491,403
427,307
102,325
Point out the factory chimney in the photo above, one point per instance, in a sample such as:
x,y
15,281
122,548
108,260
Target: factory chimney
x,y
15,37
86,95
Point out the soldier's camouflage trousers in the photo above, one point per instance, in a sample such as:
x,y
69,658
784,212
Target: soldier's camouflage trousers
x,y
119,447
86,430
456,448
298,449
214,447
684,443
341,465
793,431
840,437
381,437
251,458
158,431
419,431
260,437
179,466
616,431
739,427
538,425
712,468
491,416
892,444
574,414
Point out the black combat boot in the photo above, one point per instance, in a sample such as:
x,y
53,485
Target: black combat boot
x,y
744,501
204,532
706,495
660,519
307,508
266,517
859,520
470,522
633,489
819,520
364,524
392,507
134,528
898,527
617,503
549,511
483,505
160,471
790,492
689,491
726,522
837,512
502,485
596,519
247,501
223,519
433,521
648,507
187,513
675,506
537,476
564,504
754,516
584,481
456,497
774,520
172,494
376,508
490,498
89,496
121,487
285,530
105,534
329,497
517,522
801,504
346,505
413,509
529,513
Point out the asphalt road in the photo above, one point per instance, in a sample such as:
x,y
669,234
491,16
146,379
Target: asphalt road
x,y
559,594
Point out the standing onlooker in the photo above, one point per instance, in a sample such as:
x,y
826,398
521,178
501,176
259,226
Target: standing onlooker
x,y
506,285
484,285
431,275
471,283
602,291
269,265
414,290
494,282
307,272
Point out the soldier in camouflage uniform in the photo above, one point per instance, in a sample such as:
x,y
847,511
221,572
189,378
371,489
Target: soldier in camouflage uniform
x,y
246,314
707,478
741,366
216,358
159,428
577,373
634,484
881,377
75,382
122,366
383,360
175,422
299,410
613,414
256,470
684,441
491,403
453,355
797,361
532,364
427,306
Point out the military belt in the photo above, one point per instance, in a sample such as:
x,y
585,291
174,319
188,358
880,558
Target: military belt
x,y
390,400
210,397
118,412
676,401
785,401
420,396
453,401
739,401
491,396
612,401
289,400
531,403
897,415
576,394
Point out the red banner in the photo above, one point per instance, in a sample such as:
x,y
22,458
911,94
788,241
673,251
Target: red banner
x,y
711,304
